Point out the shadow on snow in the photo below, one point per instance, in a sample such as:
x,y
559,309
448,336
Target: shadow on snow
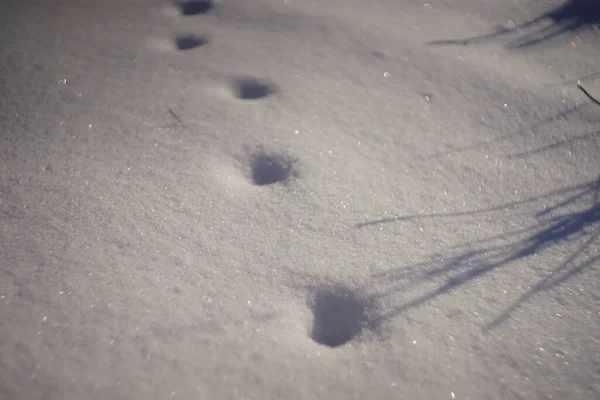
x,y
572,17
574,217
540,129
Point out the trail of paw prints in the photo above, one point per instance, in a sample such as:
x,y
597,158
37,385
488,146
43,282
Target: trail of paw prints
x,y
183,41
242,87
266,168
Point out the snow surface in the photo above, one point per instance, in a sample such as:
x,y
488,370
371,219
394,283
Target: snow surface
x,y
299,199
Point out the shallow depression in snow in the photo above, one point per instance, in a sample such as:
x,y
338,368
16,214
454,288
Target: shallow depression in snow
x,y
339,316
195,7
189,42
270,168
247,88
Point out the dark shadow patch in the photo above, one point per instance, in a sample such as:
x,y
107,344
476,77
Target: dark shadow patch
x,y
340,315
269,168
573,17
251,88
194,7
189,42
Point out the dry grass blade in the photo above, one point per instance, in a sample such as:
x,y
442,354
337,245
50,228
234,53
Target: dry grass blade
x,y
586,93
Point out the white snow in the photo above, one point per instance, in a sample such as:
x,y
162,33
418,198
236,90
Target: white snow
x,y
300,199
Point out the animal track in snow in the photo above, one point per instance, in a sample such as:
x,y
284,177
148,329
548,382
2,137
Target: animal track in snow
x,y
194,7
340,315
188,42
269,168
251,88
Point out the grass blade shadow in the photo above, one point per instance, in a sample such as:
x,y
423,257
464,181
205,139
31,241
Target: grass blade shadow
x,y
558,224
573,17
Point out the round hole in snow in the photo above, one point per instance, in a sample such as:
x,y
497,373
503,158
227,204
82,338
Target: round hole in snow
x,y
268,169
195,7
188,42
251,89
339,316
